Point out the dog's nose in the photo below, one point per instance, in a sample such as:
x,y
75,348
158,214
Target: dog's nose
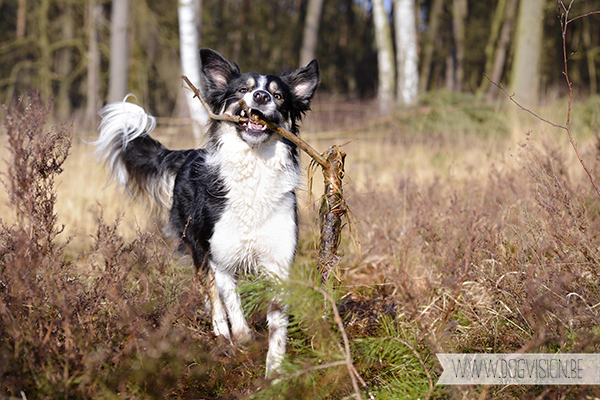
x,y
261,97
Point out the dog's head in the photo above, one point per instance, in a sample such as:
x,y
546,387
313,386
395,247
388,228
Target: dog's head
x,y
278,99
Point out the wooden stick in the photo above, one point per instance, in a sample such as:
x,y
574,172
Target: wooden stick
x,y
256,119
333,206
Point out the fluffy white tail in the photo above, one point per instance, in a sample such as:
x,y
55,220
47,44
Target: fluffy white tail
x,y
121,123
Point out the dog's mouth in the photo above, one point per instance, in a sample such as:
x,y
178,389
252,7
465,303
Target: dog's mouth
x,y
251,122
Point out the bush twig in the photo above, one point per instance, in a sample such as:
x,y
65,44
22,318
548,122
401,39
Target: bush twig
x,y
564,22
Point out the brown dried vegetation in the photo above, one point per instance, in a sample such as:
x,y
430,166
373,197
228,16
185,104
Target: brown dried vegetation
x,y
479,254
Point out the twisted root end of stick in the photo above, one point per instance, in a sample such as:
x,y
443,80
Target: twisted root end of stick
x,y
326,266
332,211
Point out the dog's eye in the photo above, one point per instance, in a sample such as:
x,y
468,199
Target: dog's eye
x,y
243,90
278,96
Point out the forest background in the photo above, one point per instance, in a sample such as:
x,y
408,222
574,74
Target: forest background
x,y
472,226
63,48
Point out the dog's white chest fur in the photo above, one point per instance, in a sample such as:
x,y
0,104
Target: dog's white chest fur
x,y
258,225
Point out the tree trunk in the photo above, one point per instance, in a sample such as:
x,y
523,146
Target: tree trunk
x,y
501,50
434,23
241,29
407,82
590,54
65,64
21,19
118,68
45,60
459,17
190,62
525,76
93,65
490,46
385,54
308,50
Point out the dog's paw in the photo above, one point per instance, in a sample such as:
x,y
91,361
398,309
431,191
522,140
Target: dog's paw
x,y
243,336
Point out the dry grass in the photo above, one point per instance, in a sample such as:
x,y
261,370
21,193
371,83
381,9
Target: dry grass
x,y
475,236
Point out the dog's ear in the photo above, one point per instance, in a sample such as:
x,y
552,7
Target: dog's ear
x,y
216,70
304,81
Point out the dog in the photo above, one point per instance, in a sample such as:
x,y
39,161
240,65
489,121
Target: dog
x,y
231,204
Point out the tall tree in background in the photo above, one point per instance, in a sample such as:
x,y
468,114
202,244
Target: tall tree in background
x,y
21,18
430,39
407,82
385,54
459,20
525,73
118,68
498,43
44,46
93,85
242,30
590,54
190,60
308,50
65,63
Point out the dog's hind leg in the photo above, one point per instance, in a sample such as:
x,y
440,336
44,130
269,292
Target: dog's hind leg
x,y
278,320
227,286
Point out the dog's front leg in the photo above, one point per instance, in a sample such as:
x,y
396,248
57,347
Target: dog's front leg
x,y
227,286
218,313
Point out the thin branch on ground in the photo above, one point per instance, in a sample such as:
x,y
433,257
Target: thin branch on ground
x,y
352,372
418,356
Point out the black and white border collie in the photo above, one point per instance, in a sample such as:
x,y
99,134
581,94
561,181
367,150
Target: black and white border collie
x,y
232,204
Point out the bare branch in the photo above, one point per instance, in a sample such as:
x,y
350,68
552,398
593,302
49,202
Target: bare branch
x,y
582,16
511,98
564,23
352,372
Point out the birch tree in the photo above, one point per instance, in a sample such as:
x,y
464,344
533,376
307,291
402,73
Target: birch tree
x,y
190,60
118,67
385,54
407,82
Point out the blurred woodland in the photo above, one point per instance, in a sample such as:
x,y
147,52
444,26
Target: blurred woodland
x,y
62,48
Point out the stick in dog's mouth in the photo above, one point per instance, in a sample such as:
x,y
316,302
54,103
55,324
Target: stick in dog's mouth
x,y
252,120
